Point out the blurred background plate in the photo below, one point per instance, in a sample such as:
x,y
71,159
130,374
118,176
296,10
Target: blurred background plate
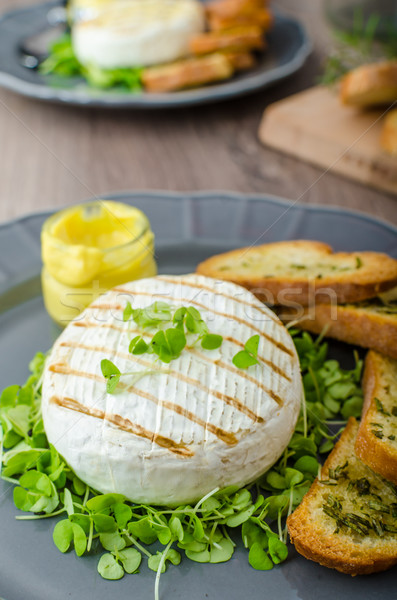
x,y
288,48
188,229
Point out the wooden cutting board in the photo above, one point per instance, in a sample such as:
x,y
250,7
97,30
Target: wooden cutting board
x,y
314,126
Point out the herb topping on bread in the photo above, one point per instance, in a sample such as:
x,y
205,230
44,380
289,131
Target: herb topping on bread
x,y
348,518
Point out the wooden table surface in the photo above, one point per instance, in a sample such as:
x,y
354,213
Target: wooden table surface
x,y
51,155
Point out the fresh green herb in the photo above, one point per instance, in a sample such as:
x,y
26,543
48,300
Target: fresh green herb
x,y
380,408
359,262
247,357
46,486
361,45
62,61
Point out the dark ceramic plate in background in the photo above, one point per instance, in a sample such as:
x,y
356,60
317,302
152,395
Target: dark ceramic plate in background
x,y
288,48
188,229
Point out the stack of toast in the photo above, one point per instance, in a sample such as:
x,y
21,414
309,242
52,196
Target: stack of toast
x,y
236,29
348,519
351,296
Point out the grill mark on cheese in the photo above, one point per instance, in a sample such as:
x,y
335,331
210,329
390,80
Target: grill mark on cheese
x,y
124,424
203,356
217,293
194,382
104,306
225,436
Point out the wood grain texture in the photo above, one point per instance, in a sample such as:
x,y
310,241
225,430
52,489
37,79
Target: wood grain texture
x,y
51,156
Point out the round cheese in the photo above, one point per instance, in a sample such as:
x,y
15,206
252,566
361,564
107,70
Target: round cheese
x,y
138,33
198,423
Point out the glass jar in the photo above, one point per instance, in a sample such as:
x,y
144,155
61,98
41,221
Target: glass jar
x,y
90,248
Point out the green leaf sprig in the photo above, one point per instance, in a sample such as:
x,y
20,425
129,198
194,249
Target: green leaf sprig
x,y
184,324
127,532
63,62
247,357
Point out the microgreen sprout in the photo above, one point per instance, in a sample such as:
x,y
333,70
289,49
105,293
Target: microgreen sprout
x,y
247,357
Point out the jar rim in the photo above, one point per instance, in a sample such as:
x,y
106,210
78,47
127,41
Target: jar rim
x,y
146,228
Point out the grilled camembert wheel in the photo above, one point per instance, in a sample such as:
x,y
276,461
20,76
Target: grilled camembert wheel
x,y
137,33
175,435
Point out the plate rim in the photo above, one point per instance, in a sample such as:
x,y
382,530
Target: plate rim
x,y
157,194
223,91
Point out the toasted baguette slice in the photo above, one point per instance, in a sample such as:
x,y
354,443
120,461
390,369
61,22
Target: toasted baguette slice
x,y
376,443
303,272
236,39
261,18
370,85
370,324
231,8
388,138
340,523
187,73
241,61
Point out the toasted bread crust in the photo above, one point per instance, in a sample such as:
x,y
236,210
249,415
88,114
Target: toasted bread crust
x,y
261,18
388,138
373,451
187,73
353,325
370,85
374,273
241,61
238,39
315,541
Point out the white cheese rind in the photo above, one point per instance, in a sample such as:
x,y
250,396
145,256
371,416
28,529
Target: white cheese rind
x,y
138,34
113,460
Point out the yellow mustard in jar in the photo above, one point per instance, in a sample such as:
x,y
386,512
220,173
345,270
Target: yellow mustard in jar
x,y
90,248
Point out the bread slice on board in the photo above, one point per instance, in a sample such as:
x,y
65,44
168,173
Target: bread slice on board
x,y
304,272
369,324
346,521
370,85
376,443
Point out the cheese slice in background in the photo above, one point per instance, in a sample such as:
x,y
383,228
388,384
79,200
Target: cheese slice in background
x,y
135,33
172,437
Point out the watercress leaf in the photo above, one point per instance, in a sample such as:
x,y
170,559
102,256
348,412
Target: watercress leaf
x,y
9,395
239,518
82,520
78,486
275,480
112,541
201,557
176,341
293,477
127,312
258,558
79,539
26,395
277,549
179,317
68,502
122,514
112,383
243,360
252,533
307,464
172,555
252,344
109,568
326,447
210,504
103,501
108,368
164,535
211,341
131,559
352,407
176,528
143,530
38,482
104,523
19,417
20,462
193,546
222,551
138,346
63,535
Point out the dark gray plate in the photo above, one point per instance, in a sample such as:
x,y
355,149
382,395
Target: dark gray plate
x,y
287,51
188,228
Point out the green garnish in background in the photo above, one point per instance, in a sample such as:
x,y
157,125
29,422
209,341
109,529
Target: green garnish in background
x,y
128,533
362,44
63,62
